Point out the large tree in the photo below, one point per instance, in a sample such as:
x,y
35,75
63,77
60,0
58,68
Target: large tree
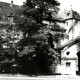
x,y
36,49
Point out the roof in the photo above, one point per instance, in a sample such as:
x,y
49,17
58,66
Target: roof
x,y
75,14
70,43
62,15
6,9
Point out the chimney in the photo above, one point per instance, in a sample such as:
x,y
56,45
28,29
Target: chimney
x,y
23,3
11,4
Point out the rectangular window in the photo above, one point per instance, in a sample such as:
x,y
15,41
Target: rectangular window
x,y
68,64
67,23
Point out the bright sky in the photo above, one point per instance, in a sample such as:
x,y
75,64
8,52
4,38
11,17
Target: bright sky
x,y
65,4
18,2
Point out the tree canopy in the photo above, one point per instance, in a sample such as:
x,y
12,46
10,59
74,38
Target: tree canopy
x,y
37,46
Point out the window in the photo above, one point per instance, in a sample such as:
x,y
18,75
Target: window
x,y
0,7
67,53
67,23
68,64
68,13
0,17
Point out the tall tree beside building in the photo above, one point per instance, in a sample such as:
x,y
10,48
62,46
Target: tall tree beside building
x,y
35,54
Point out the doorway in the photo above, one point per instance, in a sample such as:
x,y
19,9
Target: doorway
x,y
78,54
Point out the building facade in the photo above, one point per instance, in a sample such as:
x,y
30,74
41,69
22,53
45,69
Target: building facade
x,y
70,48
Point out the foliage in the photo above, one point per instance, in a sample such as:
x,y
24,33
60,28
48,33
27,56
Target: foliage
x,y
8,53
36,49
34,54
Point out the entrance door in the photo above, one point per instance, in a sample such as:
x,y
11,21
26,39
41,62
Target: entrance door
x,y
78,54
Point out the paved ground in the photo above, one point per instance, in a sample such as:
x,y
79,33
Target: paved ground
x,y
22,77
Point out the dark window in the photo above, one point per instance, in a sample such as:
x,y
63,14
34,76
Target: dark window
x,y
67,53
0,17
67,23
68,13
68,64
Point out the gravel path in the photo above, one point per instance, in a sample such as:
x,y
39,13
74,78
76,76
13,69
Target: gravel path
x,y
23,77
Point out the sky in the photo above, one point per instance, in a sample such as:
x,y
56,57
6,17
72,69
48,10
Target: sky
x,y
17,2
65,4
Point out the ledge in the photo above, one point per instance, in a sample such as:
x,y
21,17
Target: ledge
x,y
73,58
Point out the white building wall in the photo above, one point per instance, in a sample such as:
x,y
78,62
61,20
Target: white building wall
x,y
77,30
72,57
68,69
72,50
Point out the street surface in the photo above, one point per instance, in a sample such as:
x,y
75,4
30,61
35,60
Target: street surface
x,y
23,77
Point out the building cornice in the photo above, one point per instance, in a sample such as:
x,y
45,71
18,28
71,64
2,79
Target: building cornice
x,y
70,43
60,20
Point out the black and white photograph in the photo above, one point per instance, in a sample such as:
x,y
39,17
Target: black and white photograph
x,y
39,39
